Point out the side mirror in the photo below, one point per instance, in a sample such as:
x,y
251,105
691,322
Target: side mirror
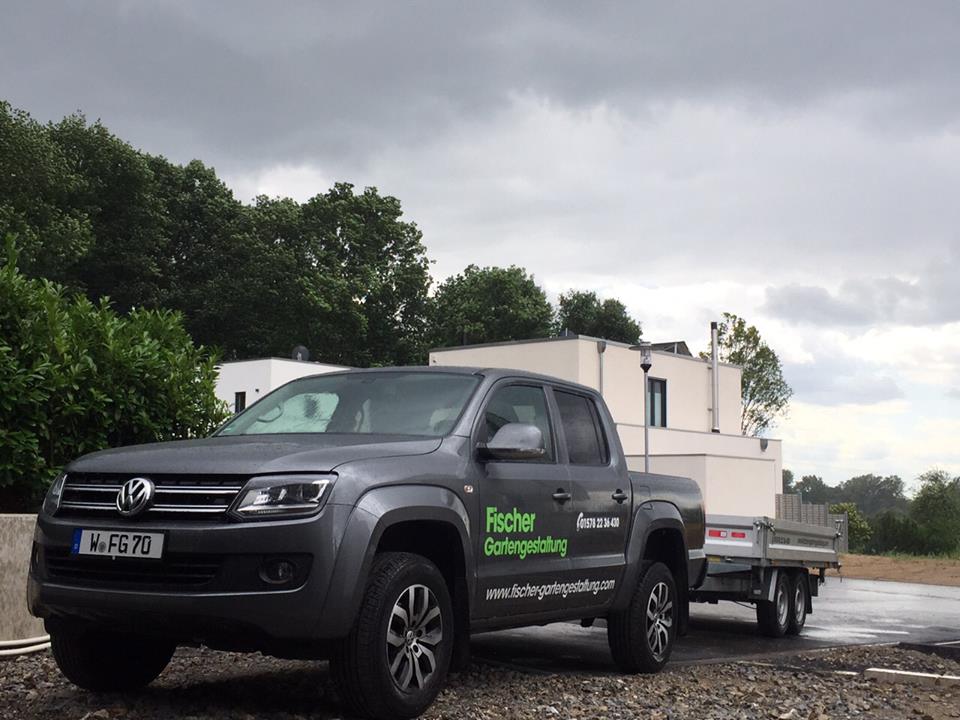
x,y
514,441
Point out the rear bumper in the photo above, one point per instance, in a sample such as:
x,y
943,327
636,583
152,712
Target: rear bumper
x,y
233,609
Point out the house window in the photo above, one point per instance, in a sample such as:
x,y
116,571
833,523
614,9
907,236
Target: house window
x,y
657,403
239,401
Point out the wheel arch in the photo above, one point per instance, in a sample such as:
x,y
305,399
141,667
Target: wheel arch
x,y
423,519
657,535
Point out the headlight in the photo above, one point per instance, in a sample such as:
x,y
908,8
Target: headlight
x,y
281,495
51,503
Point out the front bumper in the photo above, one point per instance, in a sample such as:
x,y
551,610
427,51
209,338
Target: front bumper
x,y
234,608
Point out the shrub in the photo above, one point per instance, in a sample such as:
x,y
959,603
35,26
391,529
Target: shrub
x,y
78,377
895,533
858,529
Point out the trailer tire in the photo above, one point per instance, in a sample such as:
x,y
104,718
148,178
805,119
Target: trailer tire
x,y
799,592
773,616
638,642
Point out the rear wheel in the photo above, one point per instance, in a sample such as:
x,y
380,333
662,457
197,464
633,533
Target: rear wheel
x,y
641,637
396,657
798,603
773,616
101,660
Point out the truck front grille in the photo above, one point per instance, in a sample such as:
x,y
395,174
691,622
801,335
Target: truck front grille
x,y
172,572
202,498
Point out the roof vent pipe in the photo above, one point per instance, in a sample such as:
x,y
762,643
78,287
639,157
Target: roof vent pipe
x,y
715,374
601,349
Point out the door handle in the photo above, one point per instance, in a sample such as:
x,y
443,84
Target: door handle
x,y
619,495
561,496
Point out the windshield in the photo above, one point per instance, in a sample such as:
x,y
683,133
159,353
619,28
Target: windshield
x,y
390,403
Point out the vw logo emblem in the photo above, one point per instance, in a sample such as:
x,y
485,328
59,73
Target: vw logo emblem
x,y
135,496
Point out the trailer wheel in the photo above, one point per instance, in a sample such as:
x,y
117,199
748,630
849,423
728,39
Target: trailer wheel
x,y
773,616
798,603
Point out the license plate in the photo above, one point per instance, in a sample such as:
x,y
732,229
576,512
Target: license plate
x,y
117,543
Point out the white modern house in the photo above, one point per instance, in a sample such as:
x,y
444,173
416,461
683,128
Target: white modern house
x,y
243,382
689,434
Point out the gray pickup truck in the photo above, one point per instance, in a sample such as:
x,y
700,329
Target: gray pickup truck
x,y
376,518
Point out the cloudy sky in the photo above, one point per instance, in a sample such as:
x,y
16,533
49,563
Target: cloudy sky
x,y
795,163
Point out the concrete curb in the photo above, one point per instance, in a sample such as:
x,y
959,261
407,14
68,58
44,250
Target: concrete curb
x,y
911,678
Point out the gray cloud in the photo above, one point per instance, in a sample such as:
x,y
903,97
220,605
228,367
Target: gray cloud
x,y
932,299
243,83
836,380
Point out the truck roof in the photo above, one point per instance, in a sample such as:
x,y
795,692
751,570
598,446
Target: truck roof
x,y
490,372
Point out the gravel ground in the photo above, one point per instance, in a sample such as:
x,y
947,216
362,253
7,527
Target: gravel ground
x,y
203,684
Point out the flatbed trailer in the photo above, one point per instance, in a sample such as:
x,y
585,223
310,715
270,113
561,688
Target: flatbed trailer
x,y
777,565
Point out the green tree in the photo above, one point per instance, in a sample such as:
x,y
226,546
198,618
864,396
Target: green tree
x,y
874,494
491,304
858,529
893,532
765,393
118,197
936,510
814,490
585,314
787,478
37,182
362,242
78,377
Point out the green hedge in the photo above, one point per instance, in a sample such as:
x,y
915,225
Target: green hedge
x,y
77,377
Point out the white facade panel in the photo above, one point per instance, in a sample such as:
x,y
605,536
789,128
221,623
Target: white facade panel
x,y
255,378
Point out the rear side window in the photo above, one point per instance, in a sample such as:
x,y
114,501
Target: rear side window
x,y
586,444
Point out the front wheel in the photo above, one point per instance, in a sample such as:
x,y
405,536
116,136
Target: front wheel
x,y
396,657
641,637
773,616
101,660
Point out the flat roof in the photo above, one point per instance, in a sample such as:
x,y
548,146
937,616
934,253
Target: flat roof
x,y
589,338
282,359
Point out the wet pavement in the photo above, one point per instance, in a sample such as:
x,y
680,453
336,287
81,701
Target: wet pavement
x,y
848,612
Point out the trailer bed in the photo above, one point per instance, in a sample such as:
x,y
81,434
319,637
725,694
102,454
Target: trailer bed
x,y
763,541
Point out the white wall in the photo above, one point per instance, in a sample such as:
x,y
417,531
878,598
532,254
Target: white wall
x,y
689,397
258,377
737,474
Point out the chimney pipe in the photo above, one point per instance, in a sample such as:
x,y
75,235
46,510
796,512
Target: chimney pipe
x,y
715,373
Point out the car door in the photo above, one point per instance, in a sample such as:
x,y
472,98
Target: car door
x,y
524,513
601,496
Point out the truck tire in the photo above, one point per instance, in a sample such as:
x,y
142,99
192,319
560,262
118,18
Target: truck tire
x,y
773,616
396,657
799,590
641,637
101,660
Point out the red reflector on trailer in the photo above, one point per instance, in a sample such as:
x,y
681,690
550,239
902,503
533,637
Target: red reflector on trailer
x,y
740,535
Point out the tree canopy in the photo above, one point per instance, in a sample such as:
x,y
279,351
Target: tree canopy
x,y
582,312
765,393
342,273
490,304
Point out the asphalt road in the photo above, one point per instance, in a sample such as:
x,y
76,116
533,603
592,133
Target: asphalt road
x,y
848,612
